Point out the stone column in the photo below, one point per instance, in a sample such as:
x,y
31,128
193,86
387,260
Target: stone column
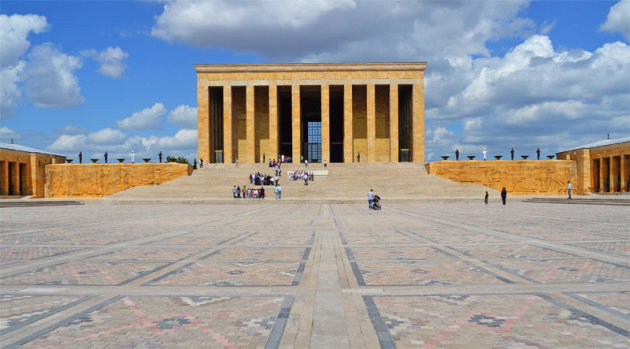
x,y
296,122
4,177
348,153
622,167
250,125
393,123
371,123
273,122
17,189
228,150
418,121
203,123
601,175
325,95
611,174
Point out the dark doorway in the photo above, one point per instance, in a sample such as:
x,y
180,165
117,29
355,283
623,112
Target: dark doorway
x,y
404,122
336,124
616,174
605,171
311,123
22,180
595,176
216,124
284,121
10,178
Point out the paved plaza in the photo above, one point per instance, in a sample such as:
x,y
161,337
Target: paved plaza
x,y
267,275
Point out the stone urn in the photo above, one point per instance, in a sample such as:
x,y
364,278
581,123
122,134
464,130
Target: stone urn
x,y
94,161
146,159
121,160
550,157
444,157
471,157
524,157
498,157
69,161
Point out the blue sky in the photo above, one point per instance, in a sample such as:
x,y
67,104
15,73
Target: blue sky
x,y
98,76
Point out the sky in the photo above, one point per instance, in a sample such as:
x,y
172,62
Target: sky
x,y
117,76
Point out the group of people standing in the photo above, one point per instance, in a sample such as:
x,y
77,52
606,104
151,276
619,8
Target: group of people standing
x,y
302,175
248,193
503,196
260,179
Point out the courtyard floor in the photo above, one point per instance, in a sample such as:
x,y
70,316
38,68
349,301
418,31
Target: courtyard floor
x,y
439,275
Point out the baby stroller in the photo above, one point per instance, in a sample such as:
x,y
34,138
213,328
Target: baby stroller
x,y
376,203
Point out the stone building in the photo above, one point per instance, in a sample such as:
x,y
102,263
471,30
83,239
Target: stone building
x,y
602,166
346,112
22,169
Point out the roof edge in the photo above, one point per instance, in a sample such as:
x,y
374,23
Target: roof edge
x,y
299,67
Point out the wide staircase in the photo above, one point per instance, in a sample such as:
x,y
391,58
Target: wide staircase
x,y
400,182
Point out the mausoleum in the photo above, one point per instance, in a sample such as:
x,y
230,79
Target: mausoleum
x,y
342,112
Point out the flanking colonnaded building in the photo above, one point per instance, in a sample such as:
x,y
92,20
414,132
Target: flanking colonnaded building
x,y
343,112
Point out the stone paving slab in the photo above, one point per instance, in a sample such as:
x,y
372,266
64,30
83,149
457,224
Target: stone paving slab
x,y
265,275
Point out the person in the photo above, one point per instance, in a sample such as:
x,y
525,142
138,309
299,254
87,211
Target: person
x,y
376,204
234,192
236,163
512,153
538,153
569,189
133,156
238,192
160,156
325,163
244,192
279,191
306,162
358,157
503,195
200,163
486,198
275,191
456,154
485,153
371,197
80,157
105,157
262,192
264,157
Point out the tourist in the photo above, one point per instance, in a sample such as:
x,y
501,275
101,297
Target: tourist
x,y
262,192
358,157
275,191
486,199
234,192
325,163
306,163
370,197
503,195
251,179
236,163
200,163
238,192
279,191
569,189
244,191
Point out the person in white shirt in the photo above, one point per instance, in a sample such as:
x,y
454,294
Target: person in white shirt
x,y
371,197
569,189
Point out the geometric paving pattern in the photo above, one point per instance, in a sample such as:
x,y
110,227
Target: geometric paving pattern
x,y
258,274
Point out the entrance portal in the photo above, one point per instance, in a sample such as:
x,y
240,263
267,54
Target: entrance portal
x,y
311,125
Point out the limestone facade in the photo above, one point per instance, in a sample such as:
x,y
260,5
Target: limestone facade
x,y
348,112
602,166
519,177
96,180
22,170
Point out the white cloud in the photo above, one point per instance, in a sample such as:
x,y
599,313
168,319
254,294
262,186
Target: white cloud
x,y
183,139
14,31
107,136
50,80
71,129
148,118
619,19
69,143
6,134
184,116
111,60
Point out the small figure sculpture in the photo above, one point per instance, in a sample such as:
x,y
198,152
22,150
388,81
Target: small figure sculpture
x,y
133,156
485,153
80,157
512,152
456,154
160,156
538,153
105,157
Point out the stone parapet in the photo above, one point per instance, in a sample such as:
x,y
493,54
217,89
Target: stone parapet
x,y
96,180
519,177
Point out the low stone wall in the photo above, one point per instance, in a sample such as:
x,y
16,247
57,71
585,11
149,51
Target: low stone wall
x,y
519,177
95,180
